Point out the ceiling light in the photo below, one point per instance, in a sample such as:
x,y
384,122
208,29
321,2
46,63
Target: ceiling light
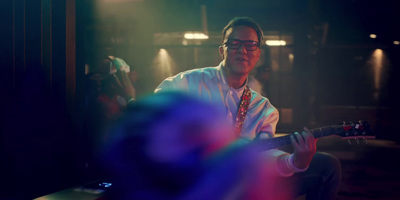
x,y
373,36
195,36
275,42
396,42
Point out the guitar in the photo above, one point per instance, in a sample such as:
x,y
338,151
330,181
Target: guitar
x,y
359,130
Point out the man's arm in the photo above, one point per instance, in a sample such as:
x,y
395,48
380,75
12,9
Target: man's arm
x,y
177,82
304,146
286,164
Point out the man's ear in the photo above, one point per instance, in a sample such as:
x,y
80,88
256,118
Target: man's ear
x,y
221,52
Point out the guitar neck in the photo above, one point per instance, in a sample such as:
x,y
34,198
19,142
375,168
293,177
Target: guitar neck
x,y
285,140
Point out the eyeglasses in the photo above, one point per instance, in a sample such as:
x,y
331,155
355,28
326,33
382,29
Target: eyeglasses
x,y
250,45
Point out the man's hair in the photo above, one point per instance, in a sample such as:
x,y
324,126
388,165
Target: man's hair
x,y
243,21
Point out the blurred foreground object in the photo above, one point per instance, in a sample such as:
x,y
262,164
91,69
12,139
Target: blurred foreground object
x,y
174,146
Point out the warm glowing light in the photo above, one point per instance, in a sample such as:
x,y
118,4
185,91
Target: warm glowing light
x,y
377,62
396,42
163,53
121,1
275,42
164,63
373,36
291,57
195,36
378,52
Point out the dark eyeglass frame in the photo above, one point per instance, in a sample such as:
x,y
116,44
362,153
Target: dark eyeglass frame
x,y
249,45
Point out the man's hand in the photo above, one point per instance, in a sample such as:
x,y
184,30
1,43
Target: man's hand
x,y
127,89
304,145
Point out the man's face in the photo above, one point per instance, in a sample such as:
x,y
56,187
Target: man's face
x,y
240,61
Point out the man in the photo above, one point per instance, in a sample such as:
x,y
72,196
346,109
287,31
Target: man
x,y
252,115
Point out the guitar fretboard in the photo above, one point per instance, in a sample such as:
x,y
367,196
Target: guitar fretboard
x,y
285,140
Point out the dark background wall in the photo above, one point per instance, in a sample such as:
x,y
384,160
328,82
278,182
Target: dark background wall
x,y
41,66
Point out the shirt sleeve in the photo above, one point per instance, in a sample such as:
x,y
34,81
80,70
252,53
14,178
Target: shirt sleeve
x,y
177,82
272,158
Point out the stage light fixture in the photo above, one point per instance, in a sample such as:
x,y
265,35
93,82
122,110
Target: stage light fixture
x,y
195,36
275,42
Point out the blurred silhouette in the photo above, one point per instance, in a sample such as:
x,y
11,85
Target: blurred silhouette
x,y
174,146
259,80
109,91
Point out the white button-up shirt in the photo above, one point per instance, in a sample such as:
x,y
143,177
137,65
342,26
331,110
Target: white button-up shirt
x,y
210,83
